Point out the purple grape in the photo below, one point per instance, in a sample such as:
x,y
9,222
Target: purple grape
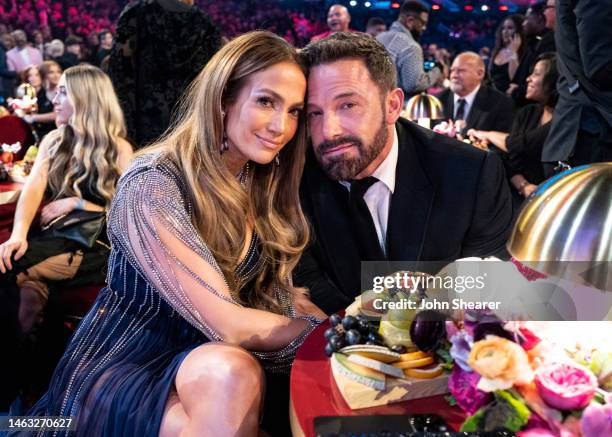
x,y
363,326
337,343
353,337
329,350
349,322
374,336
330,332
335,319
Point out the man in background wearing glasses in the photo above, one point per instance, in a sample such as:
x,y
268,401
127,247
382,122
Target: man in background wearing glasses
x,y
401,41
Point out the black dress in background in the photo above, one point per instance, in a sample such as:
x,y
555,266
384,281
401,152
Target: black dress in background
x,y
160,47
525,144
500,79
44,107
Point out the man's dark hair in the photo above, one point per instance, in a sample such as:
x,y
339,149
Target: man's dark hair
x,y
549,81
354,45
538,9
73,40
413,8
103,33
375,21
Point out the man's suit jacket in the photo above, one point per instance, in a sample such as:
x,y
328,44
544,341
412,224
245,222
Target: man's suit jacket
x,y
15,61
450,201
491,110
585,74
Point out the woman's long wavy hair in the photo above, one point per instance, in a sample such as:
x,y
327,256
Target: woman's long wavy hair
x,y
221,207
83,153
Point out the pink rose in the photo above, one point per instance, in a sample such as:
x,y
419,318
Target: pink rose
x,y
565,386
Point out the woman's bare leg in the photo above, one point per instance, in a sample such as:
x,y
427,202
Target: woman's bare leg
x,y
219,391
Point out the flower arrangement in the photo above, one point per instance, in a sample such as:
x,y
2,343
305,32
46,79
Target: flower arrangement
x,y
505,377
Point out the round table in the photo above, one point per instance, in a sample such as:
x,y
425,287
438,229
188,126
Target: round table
x,y
314,393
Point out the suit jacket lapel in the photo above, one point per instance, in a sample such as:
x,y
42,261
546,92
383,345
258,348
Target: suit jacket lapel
x,y
449,105
412,198
476,111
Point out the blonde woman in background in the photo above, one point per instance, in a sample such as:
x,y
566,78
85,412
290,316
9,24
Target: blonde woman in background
x,y
77,168
206,228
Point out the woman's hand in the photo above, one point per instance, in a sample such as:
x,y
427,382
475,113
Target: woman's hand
x,y
57,208
15,245
528,190
515,43
478,138
511,88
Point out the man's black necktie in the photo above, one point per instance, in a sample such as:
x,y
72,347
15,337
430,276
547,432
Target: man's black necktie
x,y
365,230
460,114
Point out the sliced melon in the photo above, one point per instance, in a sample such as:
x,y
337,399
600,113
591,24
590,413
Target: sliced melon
x,y
378,353
387,369
356,372
413,364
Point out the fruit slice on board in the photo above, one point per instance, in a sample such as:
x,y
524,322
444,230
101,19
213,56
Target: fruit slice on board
x,y
428,372
410,356
387,369
413,364
378,353
356,372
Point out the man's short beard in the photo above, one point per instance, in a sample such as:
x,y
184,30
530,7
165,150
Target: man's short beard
x,y
342,168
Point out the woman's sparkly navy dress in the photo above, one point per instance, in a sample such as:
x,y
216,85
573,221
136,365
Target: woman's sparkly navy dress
x,y
120,364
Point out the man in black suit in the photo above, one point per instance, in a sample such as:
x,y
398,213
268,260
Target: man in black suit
x,y
377,187
581,129
468,99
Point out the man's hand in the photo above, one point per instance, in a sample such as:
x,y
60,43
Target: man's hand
x,y
57,208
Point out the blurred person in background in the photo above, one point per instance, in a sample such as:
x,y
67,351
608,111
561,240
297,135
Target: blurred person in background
x,y
45,79
338,20
375,26
22,55
522,147
508,55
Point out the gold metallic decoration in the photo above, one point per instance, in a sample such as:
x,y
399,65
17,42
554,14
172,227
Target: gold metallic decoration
x,y
25,89
569,218
423,106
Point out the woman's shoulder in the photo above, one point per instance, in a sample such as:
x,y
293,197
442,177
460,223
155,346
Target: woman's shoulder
x,y
153,168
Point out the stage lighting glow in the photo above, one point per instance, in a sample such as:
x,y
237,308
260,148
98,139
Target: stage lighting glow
x,y
367,4
353,3
484,8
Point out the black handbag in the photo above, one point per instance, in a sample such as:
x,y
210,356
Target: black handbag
x,y
83,227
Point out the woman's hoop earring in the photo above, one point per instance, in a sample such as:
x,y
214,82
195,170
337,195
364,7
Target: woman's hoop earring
x,y
224,146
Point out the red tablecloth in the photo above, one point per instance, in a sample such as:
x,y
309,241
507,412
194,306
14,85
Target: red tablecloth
x,y
314,392
13,129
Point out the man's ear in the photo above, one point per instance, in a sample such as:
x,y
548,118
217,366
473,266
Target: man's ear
x,y
394,106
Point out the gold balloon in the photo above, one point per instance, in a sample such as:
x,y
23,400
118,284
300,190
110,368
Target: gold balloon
x,y
423,106
569,218
25,89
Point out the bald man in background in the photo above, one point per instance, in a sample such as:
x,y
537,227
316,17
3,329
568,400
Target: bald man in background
x,y
338,20
468,99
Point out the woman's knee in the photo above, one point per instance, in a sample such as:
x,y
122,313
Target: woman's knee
x,y
219,366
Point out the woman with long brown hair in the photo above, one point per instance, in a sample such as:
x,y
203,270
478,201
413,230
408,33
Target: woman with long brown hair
x,y
206,229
